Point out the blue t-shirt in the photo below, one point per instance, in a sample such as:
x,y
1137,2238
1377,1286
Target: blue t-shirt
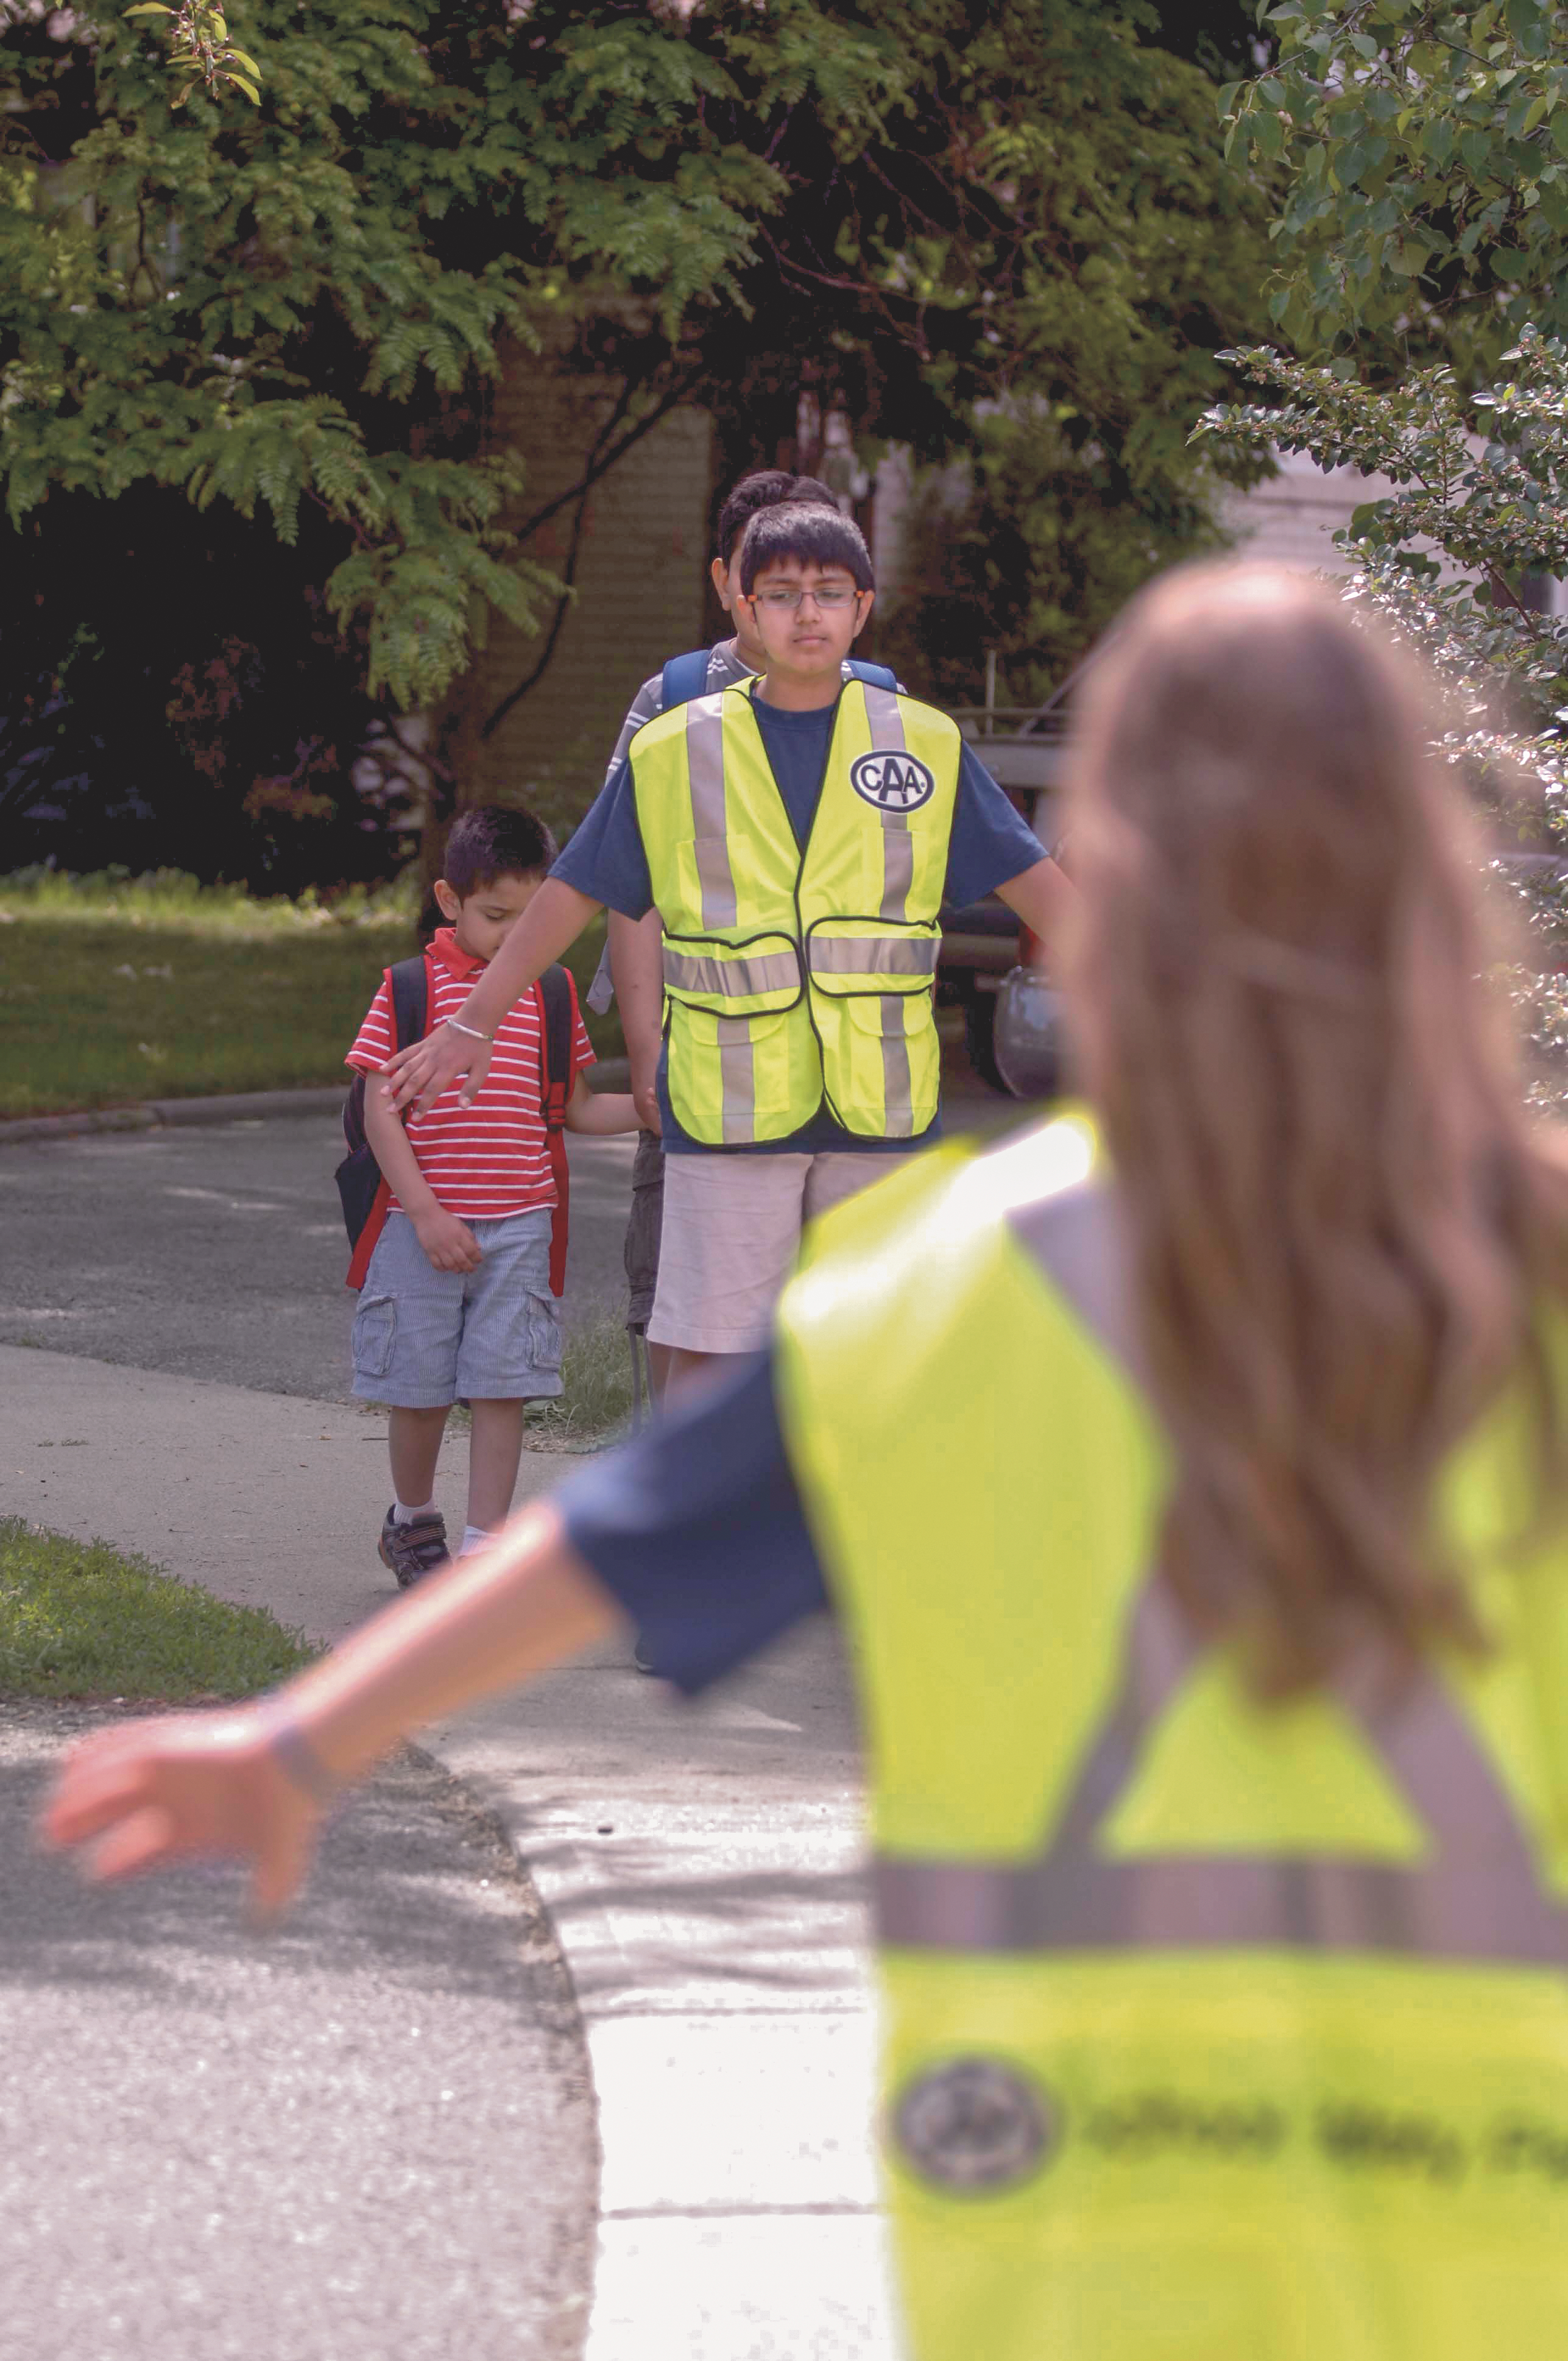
x,y
988,845
696,1530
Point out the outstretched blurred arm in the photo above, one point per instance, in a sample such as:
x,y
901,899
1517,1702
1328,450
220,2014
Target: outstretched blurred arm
x,y
252,1782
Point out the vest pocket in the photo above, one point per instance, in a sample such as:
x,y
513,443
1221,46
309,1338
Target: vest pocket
x,y
880,1062
737,1080
880,957
746,978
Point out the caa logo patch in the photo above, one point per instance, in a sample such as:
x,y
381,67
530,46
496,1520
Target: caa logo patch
x,y
975,2125
893,783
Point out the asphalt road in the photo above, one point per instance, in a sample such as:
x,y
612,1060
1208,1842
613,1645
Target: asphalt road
x,y
219,1252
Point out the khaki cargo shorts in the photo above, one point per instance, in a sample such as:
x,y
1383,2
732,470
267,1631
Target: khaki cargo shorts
x,y
731,1237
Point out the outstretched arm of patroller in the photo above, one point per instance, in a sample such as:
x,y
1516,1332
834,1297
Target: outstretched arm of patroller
x,y
253,1782
550,925
1043,898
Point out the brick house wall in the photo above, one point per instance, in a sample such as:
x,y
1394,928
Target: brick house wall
x,y
640,594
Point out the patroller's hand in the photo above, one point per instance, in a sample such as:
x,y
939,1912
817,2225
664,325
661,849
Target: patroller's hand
x,y
422,1072
448,1241
187,1787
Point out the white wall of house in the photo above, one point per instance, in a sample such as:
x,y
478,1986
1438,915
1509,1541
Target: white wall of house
x,y
1292,519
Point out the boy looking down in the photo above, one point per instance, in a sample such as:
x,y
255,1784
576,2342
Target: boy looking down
x,y
796,834
456,1298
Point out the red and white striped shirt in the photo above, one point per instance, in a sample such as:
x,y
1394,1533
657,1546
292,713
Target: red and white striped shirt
x,y
489,1159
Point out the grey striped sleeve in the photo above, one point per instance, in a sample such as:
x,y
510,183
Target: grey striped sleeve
x,y
647,703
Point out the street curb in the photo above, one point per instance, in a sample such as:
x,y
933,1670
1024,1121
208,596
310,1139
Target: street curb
x,y
153,1114
236,1106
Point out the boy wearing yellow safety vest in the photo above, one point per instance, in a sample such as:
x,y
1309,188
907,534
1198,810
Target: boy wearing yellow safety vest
x,y
797,834
630,973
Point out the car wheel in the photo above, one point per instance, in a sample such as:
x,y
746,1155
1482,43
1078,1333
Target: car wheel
x,y
980,1040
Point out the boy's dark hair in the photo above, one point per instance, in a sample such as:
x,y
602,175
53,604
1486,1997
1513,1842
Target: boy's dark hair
x,y
495,841
802,529
765,489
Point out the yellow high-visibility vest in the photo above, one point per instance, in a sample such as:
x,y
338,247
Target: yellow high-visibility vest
x,y
1213,2032
795,979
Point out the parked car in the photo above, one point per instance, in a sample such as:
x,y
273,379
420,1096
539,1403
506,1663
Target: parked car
x,y
1023,749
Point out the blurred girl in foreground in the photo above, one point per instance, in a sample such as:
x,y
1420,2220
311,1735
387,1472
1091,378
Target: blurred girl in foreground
x,y
1194,1502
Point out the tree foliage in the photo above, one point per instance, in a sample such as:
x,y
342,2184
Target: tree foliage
x,y
298,306
1019,263
997,231
1425,153
1480,506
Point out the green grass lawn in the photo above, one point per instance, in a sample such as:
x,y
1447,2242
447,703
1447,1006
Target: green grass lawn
x,y
114,990
79,1620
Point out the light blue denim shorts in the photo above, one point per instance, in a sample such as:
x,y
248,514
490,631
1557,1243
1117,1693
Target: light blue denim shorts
x,y
422,1337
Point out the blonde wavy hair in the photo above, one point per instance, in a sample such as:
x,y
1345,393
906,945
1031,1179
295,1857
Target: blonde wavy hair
x,y
1347,1235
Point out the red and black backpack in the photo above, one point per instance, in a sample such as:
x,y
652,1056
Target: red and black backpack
x,y
360,1184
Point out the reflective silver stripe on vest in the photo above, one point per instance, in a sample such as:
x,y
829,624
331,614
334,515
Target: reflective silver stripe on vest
x,y
1478,1898
897,876
731,979
736,1079
897,1085
897,844
873,954
705,768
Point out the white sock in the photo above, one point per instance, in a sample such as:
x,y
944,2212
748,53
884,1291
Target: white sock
x,y
474,1537
403,1515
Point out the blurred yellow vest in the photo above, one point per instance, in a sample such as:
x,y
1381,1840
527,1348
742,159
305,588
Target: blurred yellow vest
x,y
793,978
1213,2032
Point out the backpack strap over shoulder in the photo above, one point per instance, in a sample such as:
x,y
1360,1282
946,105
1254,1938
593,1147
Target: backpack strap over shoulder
x,y
409,980
556,1011
364,1192
684,678
874,675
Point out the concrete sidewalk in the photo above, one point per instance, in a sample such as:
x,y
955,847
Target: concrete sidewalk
x,y
698,1865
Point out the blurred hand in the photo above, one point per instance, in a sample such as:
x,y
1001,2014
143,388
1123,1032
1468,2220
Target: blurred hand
x,y
423,1071
448,1241
190,1786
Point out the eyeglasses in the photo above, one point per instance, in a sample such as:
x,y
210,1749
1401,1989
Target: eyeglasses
x,y
784,602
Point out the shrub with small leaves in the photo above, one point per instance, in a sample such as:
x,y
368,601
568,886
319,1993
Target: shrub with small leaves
x,y
1445,560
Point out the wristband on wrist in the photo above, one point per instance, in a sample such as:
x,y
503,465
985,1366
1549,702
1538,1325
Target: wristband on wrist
x,y
472,1031
297,1758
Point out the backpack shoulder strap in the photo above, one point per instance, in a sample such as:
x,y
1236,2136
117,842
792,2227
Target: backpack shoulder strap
x,y
684,678
556,1005
410,982
554,1045
874,675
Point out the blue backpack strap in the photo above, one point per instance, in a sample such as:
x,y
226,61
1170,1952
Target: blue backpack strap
x,y
874,675
684,678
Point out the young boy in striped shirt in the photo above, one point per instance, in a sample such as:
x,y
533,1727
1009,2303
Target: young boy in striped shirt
x,y
456,1301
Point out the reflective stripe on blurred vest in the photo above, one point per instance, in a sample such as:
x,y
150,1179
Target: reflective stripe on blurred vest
x,y
1175,1982
794,978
